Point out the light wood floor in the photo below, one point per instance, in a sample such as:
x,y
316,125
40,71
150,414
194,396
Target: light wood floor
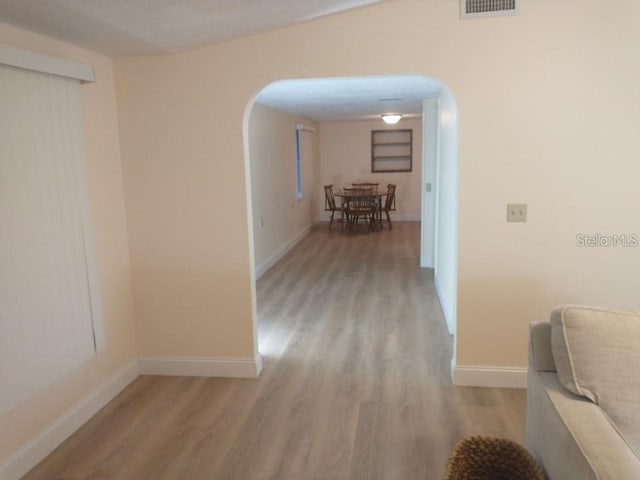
x,y
355,384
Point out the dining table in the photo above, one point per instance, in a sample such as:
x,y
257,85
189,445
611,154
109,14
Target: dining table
x,y
361,202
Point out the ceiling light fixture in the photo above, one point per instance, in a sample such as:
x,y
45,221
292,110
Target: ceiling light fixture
x,y
391,118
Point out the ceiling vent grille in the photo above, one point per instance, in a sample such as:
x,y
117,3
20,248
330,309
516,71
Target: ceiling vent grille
x,y
488,8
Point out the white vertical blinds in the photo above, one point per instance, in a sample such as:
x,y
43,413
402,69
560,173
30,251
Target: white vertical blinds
x,y
49,310
306,159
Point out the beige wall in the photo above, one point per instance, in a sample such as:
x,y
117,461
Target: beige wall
x,y
549,105
279,217
184,180
108,212
345,157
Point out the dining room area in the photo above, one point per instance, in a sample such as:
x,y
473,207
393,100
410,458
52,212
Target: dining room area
x,y
373,185
348,176
318,161
360,204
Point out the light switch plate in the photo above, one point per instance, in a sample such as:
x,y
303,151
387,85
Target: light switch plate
x,y
516,212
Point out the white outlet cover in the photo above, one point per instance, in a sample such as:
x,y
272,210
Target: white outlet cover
x,y
516,212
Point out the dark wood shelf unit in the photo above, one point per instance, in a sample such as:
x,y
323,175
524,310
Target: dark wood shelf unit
x,y
391,151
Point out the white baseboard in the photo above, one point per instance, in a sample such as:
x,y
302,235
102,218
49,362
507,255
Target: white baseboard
x,y
18,464
502,377
281,252
201,366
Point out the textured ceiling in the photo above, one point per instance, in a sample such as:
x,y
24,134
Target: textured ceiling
x,y
348,99
142,27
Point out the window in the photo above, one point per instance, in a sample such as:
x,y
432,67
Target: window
x,y
49,306
304,161
298,166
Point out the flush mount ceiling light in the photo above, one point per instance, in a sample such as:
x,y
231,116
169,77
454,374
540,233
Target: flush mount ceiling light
x,y
391,118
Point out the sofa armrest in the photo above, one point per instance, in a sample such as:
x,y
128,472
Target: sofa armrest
x,y
540,355
571,437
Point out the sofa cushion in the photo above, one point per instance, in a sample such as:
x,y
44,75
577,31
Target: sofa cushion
x,y
597,355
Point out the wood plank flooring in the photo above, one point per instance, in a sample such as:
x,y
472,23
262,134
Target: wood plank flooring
x,y
355,385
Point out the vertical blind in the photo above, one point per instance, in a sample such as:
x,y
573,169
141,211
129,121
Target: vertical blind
x,y
49,310
306,162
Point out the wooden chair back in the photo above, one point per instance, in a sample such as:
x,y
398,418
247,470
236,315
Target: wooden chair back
x,y
365,186
362,202
390,201
329,199
360,205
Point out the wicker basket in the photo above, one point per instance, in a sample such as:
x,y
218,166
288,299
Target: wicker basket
x,y
487,458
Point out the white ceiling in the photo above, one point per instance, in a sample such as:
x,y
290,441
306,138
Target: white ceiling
x,y
143,27
349,99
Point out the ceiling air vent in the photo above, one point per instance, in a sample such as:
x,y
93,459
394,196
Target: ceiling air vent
x,y
488,8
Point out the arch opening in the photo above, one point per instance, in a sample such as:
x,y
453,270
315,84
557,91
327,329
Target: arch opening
x,y
313,102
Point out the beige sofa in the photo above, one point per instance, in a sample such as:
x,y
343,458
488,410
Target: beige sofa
x,y
583,394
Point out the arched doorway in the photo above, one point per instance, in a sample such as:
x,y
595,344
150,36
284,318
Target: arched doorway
x,y
361,98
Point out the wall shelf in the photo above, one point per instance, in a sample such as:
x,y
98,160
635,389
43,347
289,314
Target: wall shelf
x,y
391,150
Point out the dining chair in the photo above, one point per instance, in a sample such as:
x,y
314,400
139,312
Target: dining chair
x,y
376,200
360,207
365,185
389,205
331,206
